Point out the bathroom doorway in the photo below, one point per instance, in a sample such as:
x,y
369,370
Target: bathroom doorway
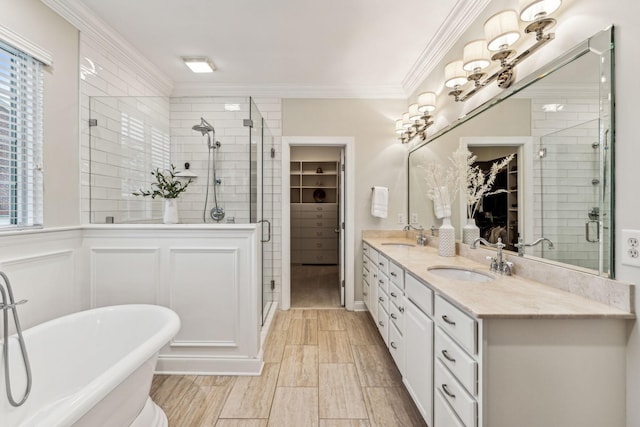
x,y
315,196
317,223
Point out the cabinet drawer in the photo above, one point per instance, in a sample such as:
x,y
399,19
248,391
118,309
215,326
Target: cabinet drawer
x,y
318,257
396,274
383,282
314,244
314,207
370,252
460,401
395,294
463,366
317,214
313,223
456,323
365,295
383,298
396,347
419,293
396,316
383,264
383,323
366,275
443,415
315,232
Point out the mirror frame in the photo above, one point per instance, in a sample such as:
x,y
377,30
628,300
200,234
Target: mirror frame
x,y
600,42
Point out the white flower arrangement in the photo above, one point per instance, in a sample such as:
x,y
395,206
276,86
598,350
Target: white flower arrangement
x,y
479,183
442,184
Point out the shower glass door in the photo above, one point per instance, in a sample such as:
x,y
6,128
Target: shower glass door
x,y
573,209
262,208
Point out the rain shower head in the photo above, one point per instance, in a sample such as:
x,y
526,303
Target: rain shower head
x,y
204,127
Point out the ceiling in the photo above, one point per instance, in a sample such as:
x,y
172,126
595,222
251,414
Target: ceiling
x,y
372,46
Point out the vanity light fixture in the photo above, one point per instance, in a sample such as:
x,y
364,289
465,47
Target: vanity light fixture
x,y
501,32
417,119
199,64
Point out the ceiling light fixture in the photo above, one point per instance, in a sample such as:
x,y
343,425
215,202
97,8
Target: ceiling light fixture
x,y
199,64
501,32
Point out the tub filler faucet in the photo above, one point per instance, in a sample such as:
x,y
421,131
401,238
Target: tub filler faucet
x,y
498,264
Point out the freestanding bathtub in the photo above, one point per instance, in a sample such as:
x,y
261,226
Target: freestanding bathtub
x,y
92,368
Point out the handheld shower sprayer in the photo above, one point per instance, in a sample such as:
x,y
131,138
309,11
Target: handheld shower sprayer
x,y
217,213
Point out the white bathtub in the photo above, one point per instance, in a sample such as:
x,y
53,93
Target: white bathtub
x,y
92,368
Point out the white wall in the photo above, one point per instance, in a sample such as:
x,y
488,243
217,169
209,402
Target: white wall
x,y
578,20
38,24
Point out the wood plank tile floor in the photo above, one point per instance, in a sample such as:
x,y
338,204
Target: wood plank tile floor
x,y
325,368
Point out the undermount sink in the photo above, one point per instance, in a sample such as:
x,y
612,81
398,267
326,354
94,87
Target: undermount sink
x,y
459,273
397,244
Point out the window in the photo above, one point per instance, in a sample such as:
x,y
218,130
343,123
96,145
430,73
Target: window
x,y
21,115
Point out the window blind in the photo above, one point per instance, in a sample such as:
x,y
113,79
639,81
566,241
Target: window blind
x,y
21,116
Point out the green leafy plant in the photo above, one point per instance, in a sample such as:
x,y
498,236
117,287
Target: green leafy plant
x,y
167,185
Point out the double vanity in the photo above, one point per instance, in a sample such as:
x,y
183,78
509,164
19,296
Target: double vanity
x,y
479,349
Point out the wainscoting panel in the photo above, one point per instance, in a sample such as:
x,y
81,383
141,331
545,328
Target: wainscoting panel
x,y
204,292
124,275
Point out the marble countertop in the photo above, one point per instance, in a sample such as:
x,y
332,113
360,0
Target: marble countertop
x,y
504,297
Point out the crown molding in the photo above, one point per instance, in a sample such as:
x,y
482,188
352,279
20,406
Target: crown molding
x,y
85,20
458,21
288,91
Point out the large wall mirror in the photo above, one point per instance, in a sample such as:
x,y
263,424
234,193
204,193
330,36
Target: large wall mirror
x,y
558,123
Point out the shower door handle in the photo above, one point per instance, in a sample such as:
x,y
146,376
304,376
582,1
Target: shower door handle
x,y
587,232
268,230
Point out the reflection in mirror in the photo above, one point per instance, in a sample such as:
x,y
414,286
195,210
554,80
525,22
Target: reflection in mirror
x,y
559,185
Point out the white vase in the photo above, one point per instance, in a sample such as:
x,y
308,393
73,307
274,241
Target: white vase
x,y
170,215
447,238
470,231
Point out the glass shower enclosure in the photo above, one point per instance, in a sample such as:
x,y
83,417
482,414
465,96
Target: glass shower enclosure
x,y
230,167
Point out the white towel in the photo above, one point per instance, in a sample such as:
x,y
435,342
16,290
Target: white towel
x,y
379,202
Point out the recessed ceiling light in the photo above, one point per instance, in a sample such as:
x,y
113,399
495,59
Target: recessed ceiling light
x,y
199,64
232,107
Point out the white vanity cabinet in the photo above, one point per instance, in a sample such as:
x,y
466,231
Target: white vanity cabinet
x,y
370,280
418,345
527,372
497,360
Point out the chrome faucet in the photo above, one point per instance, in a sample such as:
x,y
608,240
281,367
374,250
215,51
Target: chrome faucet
x,y
498,264
421,239
521,244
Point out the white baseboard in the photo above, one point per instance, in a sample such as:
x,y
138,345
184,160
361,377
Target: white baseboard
x,y
208,366
359,306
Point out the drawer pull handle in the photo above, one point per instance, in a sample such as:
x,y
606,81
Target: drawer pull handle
x,y
393,294
381,264
365,294
446,319
447,392
394,274
446,356
365,249
393,345
401,309
381,323
381,281
380,299
393,316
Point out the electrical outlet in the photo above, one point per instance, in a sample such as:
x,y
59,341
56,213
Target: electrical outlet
x,y
400,218
631,247
414,218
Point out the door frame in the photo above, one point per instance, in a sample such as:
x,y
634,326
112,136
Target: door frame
x,y
347,143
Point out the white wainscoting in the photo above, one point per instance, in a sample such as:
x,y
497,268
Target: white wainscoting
x,y
43,268
207,274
